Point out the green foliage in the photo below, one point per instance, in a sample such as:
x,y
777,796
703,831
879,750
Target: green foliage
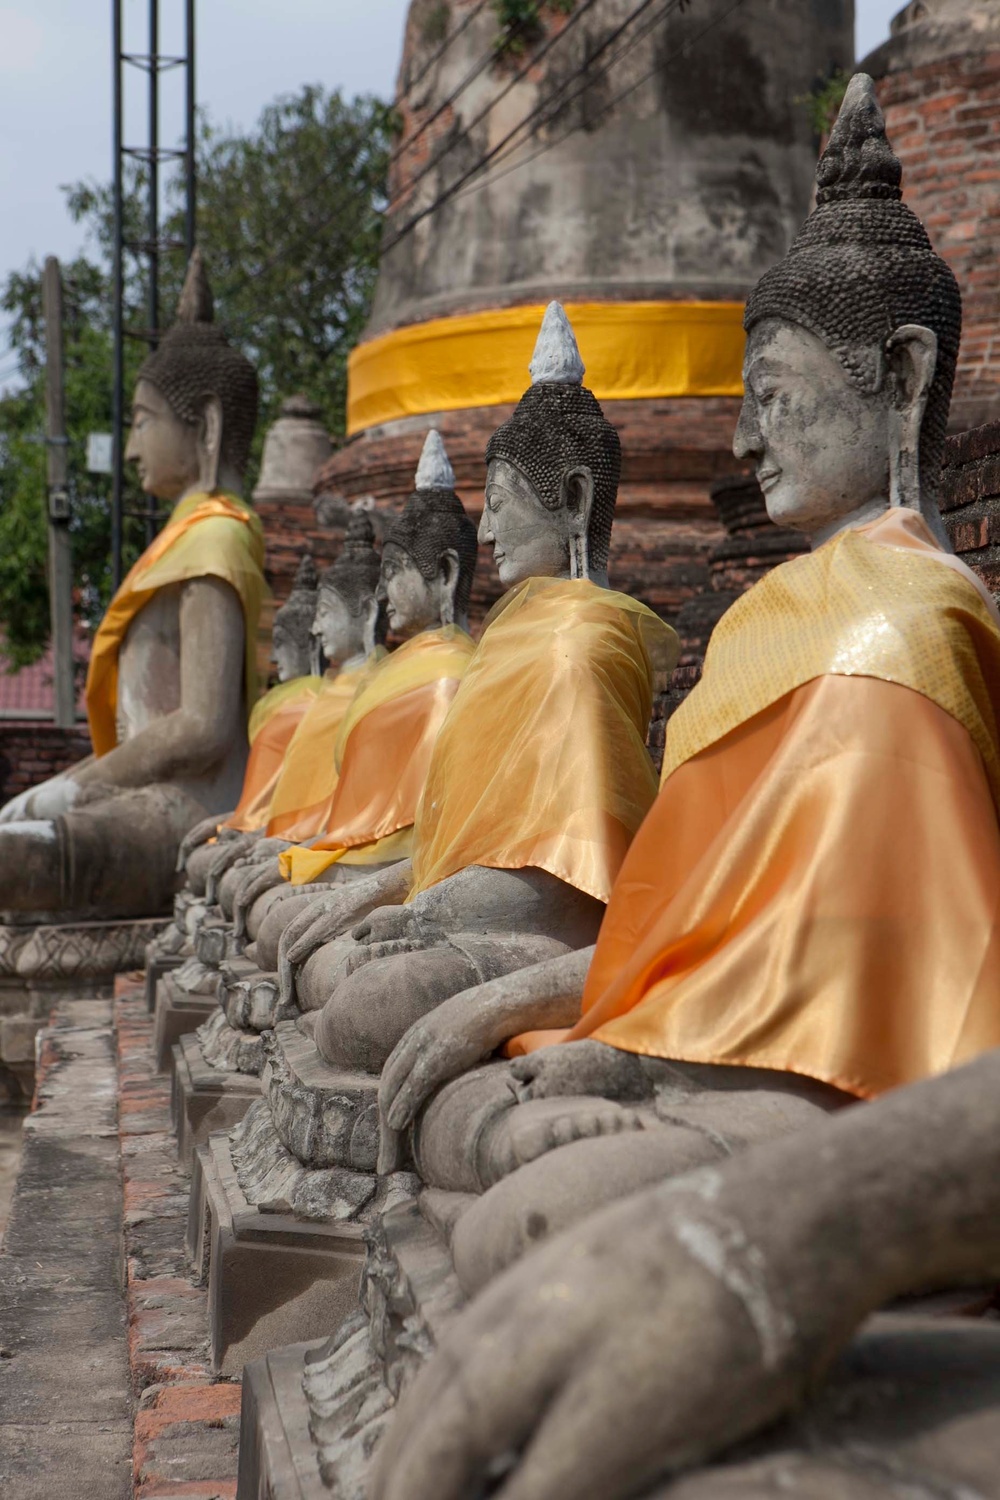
x,y
289,220
823,102
521,22
435,26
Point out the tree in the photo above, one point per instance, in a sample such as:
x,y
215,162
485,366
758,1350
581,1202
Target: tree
x,y
290,220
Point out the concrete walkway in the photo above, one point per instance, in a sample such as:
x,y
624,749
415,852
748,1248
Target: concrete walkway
x,y
65,1402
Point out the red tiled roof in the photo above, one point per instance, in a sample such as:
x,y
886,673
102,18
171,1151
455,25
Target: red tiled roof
x,y
31,690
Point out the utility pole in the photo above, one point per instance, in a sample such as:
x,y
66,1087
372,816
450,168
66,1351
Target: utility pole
x,y
57,450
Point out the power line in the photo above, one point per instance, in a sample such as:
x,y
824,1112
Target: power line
x,y
496,176
534,114
550,41
478,67
445,45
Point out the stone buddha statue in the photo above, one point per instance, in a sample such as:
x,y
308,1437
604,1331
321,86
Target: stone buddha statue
x,y
172,675
763,961
540,775
382,753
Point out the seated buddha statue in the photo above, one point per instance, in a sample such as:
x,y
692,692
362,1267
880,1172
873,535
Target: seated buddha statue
x,y
808,916
172,673
382,751
273,720
540,775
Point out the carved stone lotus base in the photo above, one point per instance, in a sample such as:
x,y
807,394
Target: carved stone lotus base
x,y
313,1414
277,1267
204,1098
45,963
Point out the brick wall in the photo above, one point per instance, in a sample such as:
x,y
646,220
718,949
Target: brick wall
x,y
970,500
30,752
943,120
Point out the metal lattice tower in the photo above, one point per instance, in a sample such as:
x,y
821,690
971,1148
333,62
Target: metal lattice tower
x,y
152,244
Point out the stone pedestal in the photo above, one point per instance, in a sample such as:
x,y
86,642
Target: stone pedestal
x,y
272,1277
177,1013
279,1205
43,964
203,1099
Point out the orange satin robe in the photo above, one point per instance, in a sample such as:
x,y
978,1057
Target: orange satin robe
x,y
817,890
273,722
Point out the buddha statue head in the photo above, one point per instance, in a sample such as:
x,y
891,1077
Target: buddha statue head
x,y
552,470
429,554
347,617
851,348
195,403
293,645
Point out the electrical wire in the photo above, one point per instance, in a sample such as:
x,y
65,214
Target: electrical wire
x,y
445,45
534,114
478,68
551,41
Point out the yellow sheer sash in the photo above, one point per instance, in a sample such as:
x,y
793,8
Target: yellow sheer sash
x,y
542,760
207,536
383,753
878,601
304,792
274,720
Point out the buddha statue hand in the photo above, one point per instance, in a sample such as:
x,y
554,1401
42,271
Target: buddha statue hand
x,y
399,925
666,1327
230,851
47,800
201,834
333,915
466,1028
263,873
575,1068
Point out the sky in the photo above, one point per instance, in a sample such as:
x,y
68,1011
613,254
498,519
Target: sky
x,y
55,87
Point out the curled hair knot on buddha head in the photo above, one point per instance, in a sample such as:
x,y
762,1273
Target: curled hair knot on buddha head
x,y
558,425
434,521
354,576
195,361
295,617
862,267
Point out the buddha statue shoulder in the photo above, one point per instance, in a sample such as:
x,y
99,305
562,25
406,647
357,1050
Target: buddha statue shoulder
x,y
540,775
384,745
172,675
766,961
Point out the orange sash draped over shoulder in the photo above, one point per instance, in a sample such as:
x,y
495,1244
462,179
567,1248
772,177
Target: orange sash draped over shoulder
x,y
207,536
542,760
817,888
274,720
304,791
383,752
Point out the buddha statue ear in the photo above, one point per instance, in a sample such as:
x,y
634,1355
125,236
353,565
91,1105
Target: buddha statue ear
x,y
448,576
370,629
911,360
578,502
210,444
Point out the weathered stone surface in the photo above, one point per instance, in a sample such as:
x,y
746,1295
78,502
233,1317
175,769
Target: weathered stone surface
x,y
325,1116
65,1400
204,1098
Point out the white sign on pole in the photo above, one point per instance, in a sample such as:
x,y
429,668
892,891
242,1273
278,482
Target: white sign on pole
x,y
99,450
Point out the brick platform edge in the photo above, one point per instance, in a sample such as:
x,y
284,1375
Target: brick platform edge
x,y
186,1423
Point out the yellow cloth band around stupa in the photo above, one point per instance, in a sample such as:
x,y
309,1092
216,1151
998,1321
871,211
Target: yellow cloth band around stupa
x,y
632,351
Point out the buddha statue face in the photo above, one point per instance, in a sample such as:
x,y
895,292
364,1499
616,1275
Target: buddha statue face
x,y
290,652
166,450
339,630
529,539
824,448
414,602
